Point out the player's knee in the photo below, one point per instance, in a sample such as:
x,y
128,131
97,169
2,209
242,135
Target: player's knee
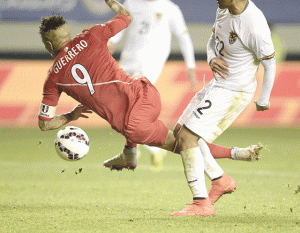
x,y
186,139
138,136
176,130
135,138
182,142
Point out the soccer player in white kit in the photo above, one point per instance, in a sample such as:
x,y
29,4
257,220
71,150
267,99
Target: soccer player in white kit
x,y
240,41
148,46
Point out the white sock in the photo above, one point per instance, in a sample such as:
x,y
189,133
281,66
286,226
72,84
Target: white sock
x,y
194,171
211,167
153,149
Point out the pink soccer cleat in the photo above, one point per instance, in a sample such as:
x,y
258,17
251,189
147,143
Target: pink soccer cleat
x,y
224,185
197,208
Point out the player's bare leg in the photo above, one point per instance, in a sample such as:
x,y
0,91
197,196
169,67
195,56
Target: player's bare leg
x,y
193,163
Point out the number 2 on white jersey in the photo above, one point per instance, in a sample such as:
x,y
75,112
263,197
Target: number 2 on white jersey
x,y
219,46
86,77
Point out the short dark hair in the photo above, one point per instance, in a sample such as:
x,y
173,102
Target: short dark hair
x,y
51,23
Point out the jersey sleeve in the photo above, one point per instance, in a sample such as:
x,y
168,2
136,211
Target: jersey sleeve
x,y
50,99
260,42
110,28
210,46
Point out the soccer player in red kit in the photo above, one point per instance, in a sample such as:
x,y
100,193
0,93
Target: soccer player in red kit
x,y
85,70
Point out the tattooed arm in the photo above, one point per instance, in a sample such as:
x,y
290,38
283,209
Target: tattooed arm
x,y
118,8
61,120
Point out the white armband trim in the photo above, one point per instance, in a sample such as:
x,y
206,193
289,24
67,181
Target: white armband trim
x,y
47,111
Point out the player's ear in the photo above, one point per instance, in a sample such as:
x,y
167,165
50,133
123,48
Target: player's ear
x,y
49,45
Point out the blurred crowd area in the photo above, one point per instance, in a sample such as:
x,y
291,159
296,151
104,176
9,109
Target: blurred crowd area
x,y
21,78
19,21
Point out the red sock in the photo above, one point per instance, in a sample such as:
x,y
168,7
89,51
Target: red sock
x,y
175,148
219,152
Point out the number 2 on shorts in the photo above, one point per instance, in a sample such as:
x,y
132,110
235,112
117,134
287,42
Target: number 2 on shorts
x,y
205,107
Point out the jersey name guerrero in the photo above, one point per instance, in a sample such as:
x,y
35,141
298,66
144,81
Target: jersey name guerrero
x,y
73,52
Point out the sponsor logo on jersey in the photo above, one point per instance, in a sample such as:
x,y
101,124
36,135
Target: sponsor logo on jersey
x,y
159,16
232,38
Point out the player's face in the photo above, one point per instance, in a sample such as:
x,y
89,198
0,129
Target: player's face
x,y
224,3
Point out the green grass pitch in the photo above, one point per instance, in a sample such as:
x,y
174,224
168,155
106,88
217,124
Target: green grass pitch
x,y
40,192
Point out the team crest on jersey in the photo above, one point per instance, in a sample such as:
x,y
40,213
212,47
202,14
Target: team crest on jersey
x,y
232,38
159,16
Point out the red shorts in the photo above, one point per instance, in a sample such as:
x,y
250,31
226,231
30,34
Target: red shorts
x,y
143,125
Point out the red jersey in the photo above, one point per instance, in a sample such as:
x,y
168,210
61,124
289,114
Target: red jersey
x,y
85,70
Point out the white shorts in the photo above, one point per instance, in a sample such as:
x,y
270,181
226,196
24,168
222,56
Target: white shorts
x,y
212,110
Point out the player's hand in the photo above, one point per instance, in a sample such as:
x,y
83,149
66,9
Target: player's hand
x,y
111,47
78,112
262,108
191,75
220,67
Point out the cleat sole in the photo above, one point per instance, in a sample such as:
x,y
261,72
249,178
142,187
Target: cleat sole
x,y
120,168
229,192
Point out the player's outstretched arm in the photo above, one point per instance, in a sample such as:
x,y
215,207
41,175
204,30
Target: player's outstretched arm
x,y
55,123
263,102
118,8
61,120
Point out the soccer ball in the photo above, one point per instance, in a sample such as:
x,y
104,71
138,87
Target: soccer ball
x,y
71,143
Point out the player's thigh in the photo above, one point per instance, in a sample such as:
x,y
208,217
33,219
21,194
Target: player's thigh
x,y
187,139
143,126
193,103
216,112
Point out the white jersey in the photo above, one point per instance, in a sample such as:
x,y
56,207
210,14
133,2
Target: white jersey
x,y
242,41
148,41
